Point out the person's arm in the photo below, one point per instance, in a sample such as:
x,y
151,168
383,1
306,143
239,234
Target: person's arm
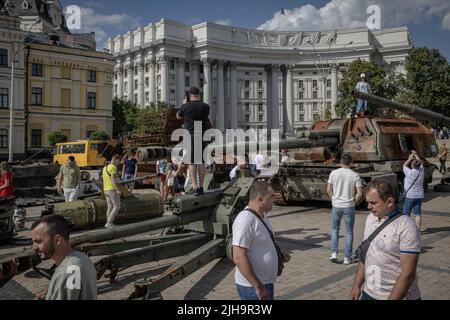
x,y
6,185
408,263
180,113
60,180
135,169
359,195
123,171
242,262
408,162
114,180
78,177
330,190
355,294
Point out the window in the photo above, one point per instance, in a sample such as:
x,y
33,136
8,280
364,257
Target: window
x,y
36,96
158,67
88,135
91,100
136,69
260,84
315,106
158,80
301,107
36,70
301,117
126,73
315,72
147,67
159,95
328,105
3,138
260,117
4,98
135,98
316,117
247,95
260,73
328,94
135,84
36,138
328,83
126,87
247,83
147,82
314,94
300,95
172,64
260,107
201,68
172,94
187,82
202,82
247,73
260,95
147,96
66,97
66,73
300,84
187,67
71,148
92,76
115,88
247,107
172,80
115,75
3,57
314,83
247,118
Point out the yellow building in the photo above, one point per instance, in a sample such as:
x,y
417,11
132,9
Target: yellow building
x,y
68,90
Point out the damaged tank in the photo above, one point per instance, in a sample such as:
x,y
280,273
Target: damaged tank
x,y
379,147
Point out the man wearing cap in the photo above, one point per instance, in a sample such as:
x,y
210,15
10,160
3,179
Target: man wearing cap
x,y
195,111
362,86
413,184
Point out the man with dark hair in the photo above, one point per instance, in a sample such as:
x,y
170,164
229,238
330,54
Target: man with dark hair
x,y
69,179
389,269
195,111
413,184
75,277
111,190
254,252
443,152
342,185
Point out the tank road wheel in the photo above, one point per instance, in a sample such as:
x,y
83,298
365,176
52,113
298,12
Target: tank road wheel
x,y
278,197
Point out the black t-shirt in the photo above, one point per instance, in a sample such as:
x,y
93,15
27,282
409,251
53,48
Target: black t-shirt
x,y
130,166
194,111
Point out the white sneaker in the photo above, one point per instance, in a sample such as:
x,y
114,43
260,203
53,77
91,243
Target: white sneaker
x,y
333,256
348,260
107,225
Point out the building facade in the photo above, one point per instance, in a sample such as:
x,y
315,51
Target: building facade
x,y
251,78
68,90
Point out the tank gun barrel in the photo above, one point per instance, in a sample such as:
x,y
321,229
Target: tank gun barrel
x,y
413,111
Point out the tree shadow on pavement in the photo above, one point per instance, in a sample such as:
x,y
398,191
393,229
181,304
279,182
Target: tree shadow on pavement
x,y
435,230
307,243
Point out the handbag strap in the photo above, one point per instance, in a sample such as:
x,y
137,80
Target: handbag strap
x,y
406,193
261,219
384,225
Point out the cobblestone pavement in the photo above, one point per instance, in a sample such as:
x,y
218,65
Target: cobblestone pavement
x,y
304,231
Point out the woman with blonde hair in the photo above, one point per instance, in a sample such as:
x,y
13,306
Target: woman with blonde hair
x,y
6,181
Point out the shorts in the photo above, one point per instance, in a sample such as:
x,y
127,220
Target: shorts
x,y
191,156
162,178
362,106
414,205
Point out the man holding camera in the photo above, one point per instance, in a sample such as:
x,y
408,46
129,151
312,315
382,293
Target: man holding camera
x,y
388,265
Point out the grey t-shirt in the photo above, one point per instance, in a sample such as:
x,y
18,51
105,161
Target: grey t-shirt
x,y
74,279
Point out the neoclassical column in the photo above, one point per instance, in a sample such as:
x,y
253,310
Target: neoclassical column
x,y
141,82
152,80
283,97
131,80
290,121
164,61
334,89
180,81
207,81
233,96
119,80
226,86
220,102
273,109
194,74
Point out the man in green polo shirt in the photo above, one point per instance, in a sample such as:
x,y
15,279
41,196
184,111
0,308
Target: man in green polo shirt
x,y
111,189
69,180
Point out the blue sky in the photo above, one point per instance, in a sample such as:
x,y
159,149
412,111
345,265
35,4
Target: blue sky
x,y
428,20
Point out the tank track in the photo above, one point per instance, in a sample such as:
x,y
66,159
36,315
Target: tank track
x,y
278,197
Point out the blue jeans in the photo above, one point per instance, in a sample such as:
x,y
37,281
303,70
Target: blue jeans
x,y
414,205
362,106
349,219
249,293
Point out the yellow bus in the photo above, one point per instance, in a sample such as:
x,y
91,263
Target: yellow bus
x,y
86,153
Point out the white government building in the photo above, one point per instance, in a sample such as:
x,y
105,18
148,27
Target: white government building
x,y
250,78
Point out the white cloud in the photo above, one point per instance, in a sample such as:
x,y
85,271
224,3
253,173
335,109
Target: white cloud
x,y
226,22
106,26
337,14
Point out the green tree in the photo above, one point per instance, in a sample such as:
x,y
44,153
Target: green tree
x,y
99,135
56,137
148,119
427,81
124,113
380,85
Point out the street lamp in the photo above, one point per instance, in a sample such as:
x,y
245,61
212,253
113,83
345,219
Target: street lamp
x,y
11,99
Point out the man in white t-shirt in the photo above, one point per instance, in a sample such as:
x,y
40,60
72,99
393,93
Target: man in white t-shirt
x,y
259,162
362,86
342,186
254,252
414,192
